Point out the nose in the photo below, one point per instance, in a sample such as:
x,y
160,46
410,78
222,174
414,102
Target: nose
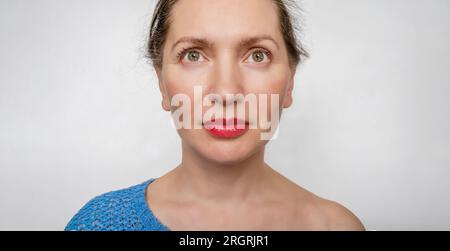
x,y
225,81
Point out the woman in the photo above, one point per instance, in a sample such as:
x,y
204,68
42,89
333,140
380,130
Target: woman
x,y
215,50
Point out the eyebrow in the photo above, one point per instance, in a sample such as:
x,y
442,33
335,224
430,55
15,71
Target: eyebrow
x,y
203,42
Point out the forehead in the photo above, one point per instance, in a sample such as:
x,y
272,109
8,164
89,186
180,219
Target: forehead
x,y
224,20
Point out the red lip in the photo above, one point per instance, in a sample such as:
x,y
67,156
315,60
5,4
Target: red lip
x,y
226,128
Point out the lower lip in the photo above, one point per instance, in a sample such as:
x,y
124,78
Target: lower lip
x,y
228,130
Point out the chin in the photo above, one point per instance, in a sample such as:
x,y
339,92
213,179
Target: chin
x,y
225,151
225,156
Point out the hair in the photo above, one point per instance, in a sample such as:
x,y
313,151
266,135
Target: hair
x,y
288,25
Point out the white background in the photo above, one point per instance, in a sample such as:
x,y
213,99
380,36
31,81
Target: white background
x,y
80,109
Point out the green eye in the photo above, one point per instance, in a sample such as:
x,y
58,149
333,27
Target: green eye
x,y
193,56
258,56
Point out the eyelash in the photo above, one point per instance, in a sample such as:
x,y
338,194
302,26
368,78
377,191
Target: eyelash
x,y
182,53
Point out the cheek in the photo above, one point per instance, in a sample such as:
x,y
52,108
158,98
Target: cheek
x,y
175,84
181,81
273,81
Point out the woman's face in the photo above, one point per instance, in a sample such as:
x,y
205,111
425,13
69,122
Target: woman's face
x,y
225,47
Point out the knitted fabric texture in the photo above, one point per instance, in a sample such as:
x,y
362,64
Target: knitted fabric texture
x,y
121,210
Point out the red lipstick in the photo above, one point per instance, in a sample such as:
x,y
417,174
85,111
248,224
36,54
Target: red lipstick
x,y
226,128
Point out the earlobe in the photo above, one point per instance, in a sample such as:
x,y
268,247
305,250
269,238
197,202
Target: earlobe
x,y
165,103
287,102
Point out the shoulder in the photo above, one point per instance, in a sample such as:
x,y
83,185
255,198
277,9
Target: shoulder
x,y
339,217
312,212
114,210
326,214
316,213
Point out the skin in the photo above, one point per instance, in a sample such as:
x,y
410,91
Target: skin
x,y
224,184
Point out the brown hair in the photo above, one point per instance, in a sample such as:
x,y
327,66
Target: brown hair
x,y
161,22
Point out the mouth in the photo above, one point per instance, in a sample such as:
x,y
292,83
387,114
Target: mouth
x,y
226,128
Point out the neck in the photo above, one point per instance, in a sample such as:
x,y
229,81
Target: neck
x,y
211,181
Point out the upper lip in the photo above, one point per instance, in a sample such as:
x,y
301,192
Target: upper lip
x,y
233,121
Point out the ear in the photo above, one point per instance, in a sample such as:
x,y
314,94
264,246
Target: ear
x,y
287,102
165,103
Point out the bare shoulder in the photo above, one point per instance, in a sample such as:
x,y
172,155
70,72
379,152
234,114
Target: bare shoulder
x,y
316,213
339,217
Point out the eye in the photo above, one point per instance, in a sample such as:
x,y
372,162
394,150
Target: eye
x,y
259,55
190,55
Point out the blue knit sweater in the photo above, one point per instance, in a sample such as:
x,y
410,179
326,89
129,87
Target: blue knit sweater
x,y
121,210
